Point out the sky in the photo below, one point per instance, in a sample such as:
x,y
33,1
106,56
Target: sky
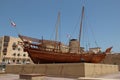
x,y
38,18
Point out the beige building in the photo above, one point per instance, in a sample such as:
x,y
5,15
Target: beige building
x,y
11,52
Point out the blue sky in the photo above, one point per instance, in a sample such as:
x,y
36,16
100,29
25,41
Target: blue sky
x,y
37,18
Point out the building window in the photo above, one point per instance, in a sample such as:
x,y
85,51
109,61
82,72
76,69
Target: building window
x,y
14,46
13,61
24,55
5,44
18,61
6,38
3,60
18,49
4,51
14,54
18,54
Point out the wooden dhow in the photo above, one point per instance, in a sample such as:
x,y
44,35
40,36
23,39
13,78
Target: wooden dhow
x,y
48,51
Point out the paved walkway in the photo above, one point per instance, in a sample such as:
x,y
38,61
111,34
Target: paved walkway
x,y
9,77
112,76
16,77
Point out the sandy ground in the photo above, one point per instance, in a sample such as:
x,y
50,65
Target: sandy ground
x,y
16,77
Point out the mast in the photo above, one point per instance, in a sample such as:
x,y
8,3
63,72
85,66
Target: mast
x,y
80,32
57,46
57,25
81,25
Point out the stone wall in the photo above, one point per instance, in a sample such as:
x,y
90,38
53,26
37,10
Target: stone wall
x,y
64,70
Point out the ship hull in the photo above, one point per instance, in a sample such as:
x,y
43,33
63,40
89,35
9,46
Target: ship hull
x,y
39,56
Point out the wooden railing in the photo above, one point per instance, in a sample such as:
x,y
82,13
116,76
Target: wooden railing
x,y
39,47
